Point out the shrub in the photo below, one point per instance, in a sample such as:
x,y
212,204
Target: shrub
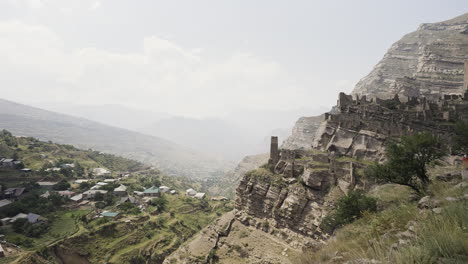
x,y
62,185
407,161
159,203
348,209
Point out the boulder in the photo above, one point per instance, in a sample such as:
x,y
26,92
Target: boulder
x,y
315,178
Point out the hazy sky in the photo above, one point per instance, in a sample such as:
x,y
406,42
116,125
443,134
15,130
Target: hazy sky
x,y
200,58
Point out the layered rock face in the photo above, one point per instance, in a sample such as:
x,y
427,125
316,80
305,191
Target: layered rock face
x,y
299,187
295,193
426,62
303,133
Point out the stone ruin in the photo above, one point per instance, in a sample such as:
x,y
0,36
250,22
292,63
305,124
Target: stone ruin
x,y
274,151
361,126
299,191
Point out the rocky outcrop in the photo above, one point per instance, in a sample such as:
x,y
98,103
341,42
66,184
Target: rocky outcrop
x,y
297,192
303,133
402,95
425,62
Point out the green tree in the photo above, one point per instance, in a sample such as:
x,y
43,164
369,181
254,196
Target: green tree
x,y
62,185
348,209
159,203
407,161
98,196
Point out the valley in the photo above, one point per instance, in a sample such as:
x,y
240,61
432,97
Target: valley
x,y
379,178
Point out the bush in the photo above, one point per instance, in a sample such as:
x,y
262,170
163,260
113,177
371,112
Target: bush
x,y
62,185
22,226
407,161
159,203
348,209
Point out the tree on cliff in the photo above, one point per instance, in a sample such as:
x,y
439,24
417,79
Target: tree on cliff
x,y
407,160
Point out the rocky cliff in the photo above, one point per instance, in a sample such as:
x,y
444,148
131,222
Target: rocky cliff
x,y
288,198
425,62
303,133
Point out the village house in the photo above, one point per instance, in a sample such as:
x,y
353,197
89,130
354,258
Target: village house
x,y
110,180
36,219
14,192
101,172
52,169
5,221
10,163
200,196
4,203
46,184
152,192
77,198
138,193
190,192
91,193
109,214
79,181
173,192
67,166
67,194
18,216
45,195
32,218
121,190
26,170
128,199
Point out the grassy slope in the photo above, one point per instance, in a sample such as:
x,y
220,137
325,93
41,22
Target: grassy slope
x,y
157,234
151,236
382,236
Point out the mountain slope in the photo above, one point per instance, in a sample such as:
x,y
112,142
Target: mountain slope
x,y
424,62
45,125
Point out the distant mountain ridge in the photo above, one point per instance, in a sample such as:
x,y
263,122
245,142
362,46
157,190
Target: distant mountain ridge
x,y
46,125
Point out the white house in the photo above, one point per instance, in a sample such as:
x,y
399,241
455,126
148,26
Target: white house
x,y
81,181
200,196
101,172
121,190
77,198
91,193
110,180
190,192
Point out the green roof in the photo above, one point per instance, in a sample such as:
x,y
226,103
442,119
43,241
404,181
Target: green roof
x,y
153,189
109,214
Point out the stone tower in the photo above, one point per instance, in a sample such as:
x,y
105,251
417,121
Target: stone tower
x,y
274,152
465,76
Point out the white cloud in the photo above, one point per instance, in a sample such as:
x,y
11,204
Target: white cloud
x,y
164,76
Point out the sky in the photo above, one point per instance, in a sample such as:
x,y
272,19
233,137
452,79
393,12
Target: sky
x,y
204,58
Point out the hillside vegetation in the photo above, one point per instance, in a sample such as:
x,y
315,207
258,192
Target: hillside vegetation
x,y
173,159
147,230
